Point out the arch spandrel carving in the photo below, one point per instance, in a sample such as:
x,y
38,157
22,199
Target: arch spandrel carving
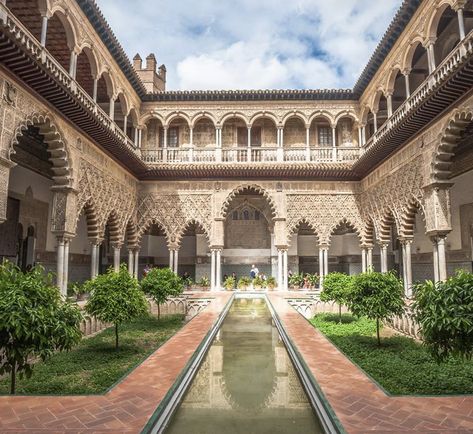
x,y
323,213
174,212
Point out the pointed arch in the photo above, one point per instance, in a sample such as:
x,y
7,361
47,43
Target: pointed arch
x,y
187,225
144,226
131,234
449,139
248,187
90,211
113,224
345,221
388,222
56,144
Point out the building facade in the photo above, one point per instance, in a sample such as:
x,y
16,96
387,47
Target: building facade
x,y
100,164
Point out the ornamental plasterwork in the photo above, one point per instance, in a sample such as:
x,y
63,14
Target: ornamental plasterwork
x,y
106,196
394,194
323,213
174,212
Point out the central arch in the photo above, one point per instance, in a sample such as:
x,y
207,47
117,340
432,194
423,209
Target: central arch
x,y
248,230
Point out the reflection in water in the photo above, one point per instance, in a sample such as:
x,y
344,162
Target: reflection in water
x,y
246,383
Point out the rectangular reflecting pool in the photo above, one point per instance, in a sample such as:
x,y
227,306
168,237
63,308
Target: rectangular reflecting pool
x,y
246,382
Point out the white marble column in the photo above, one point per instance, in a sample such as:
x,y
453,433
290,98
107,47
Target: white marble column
x,y
285,271
136,262
375,121
218,270
212,269
66,267
111,111
44,30
431,56
176,260
130,261
125,122
171,259
93,259
442,258
389,100
407,82
408,265
363,260
325,261
461,23
73,64
383,248
321,265
94,89
60,264
435,254
280,268
116,258
334,143
369,259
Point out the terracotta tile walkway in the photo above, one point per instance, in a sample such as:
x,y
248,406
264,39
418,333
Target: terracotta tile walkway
x,y
359,404
124,409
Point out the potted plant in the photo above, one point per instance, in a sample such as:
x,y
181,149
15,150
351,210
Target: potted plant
x,y
271,283
204,282
76,289
313,280
296,281
258,283
229,283
243,283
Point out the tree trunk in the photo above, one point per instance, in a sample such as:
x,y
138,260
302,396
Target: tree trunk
x,y
159,311
13,378
377,332
116,336
340,313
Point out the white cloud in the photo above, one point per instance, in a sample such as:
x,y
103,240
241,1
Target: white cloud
x,y
248,44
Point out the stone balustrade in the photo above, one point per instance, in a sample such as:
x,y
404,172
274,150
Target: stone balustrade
x,y
251,155
310,306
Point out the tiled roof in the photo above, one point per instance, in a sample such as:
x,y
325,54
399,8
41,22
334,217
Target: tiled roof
x,y
402,17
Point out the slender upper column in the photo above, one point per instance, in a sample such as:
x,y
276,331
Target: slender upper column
x,y
44,30
461,23
375,121
95,88
249,136
389,100
431,55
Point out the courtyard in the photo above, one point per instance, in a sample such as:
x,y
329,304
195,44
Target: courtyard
x,y
271,243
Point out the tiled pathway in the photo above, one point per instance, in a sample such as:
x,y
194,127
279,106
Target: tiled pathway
x,y
128,406
359,404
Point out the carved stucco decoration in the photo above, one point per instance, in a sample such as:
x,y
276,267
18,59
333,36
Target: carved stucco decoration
x,y
394,195
106,196
174,213
323,213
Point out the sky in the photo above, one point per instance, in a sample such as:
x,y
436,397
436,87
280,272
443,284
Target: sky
x,y
253,44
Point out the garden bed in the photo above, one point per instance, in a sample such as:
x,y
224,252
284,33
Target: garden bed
x,y
93,366
401,365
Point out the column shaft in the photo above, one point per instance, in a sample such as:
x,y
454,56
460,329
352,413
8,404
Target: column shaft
x,y
66,268
218,277
94,90
442,259
130,262
136,261
408,263
408,86
436,259
461,23
212,270
325,261
384,258
44,30
171,259
176,260
321,266
369,259
363,260
116,259
60,264
285,271
280,272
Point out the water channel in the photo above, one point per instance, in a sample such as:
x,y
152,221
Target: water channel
x,y
246,382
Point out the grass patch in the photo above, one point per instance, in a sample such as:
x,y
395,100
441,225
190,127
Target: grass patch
x,y
94,365
401,365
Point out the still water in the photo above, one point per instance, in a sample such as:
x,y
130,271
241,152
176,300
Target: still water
x,y
246,383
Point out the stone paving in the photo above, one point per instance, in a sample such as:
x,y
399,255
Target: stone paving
x,y
124,409
358,403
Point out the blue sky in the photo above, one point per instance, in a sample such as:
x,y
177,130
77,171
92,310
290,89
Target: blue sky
x,y
253,44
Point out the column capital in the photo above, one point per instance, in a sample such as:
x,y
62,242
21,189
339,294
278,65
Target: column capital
x,y
117,245
383,245
96,241
216,248
405,240
324,246
458,4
